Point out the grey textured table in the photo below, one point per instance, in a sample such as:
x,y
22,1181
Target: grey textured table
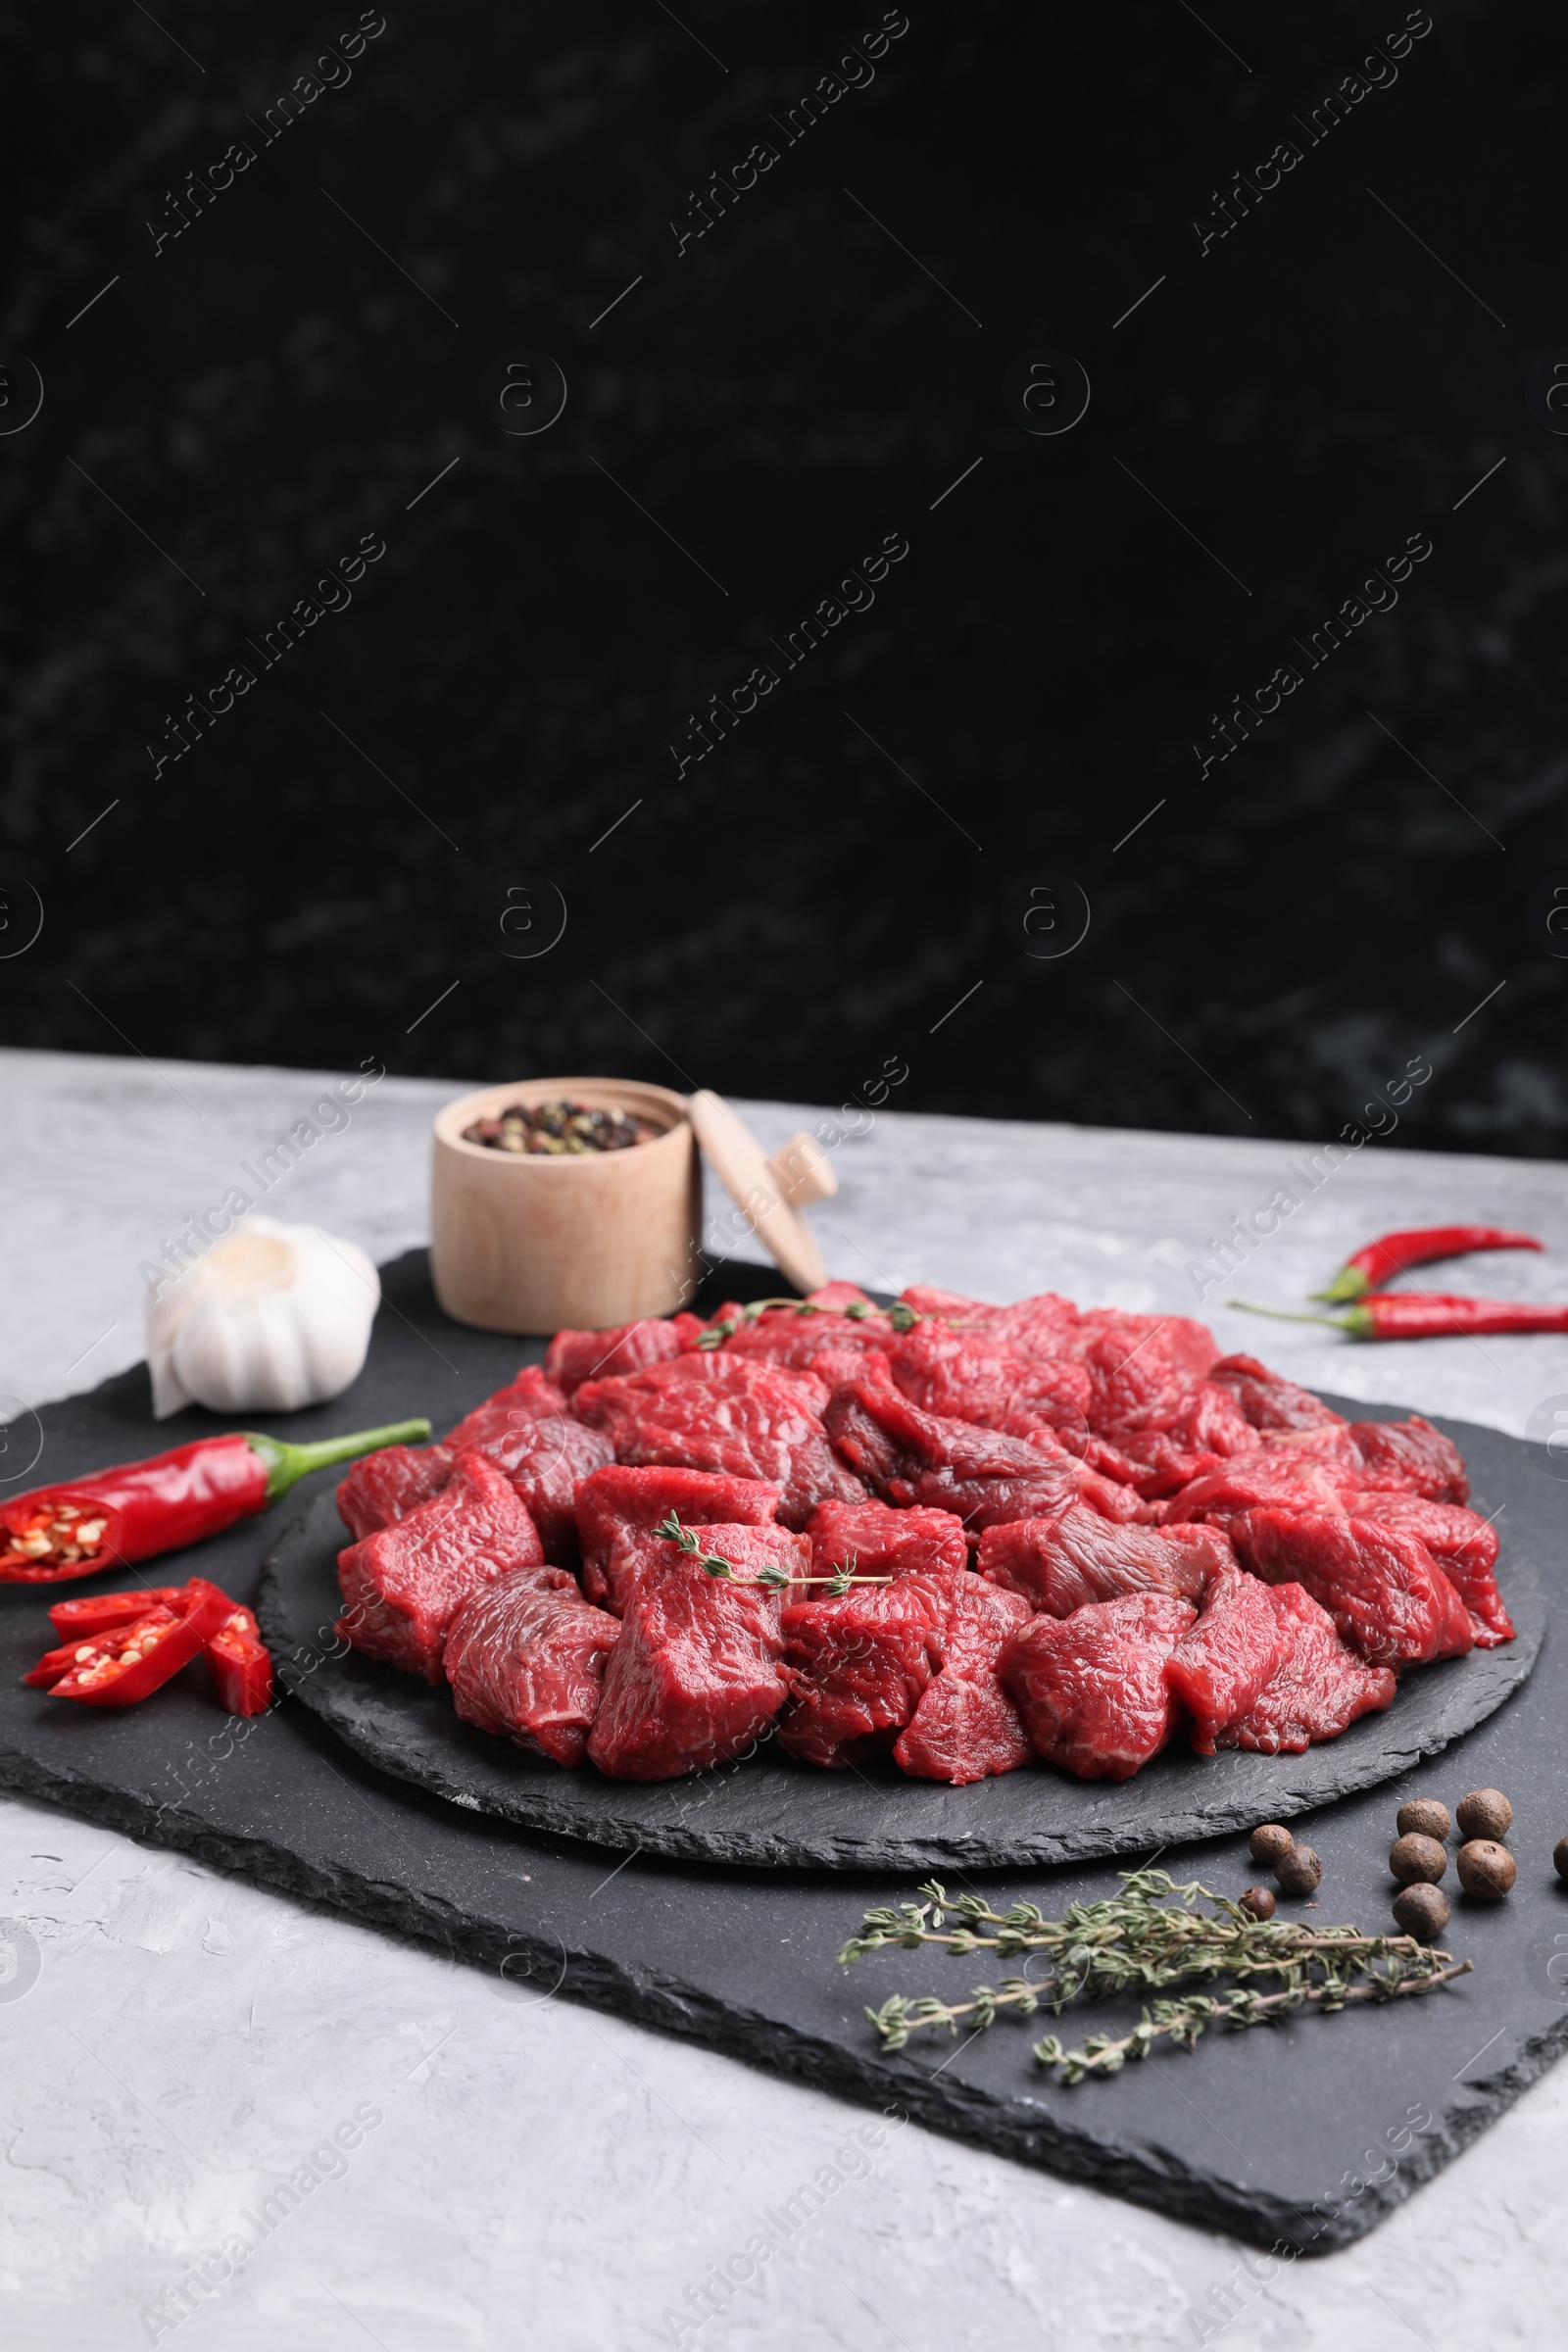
x,y
537,2174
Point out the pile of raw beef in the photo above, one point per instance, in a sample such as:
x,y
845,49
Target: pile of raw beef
x,y
1089,1531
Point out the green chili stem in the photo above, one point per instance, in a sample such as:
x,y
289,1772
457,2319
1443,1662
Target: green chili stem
x,y
1355,1320
1349,1285
287,1464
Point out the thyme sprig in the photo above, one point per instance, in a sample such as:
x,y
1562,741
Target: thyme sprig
x,y
772,1580
1151,1936
901,1317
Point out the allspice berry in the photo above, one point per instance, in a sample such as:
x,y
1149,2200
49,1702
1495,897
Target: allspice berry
x,y
1412,1857
1422,1911
1269,1841
1559,1857
1424,1817
1298,1869
1258,1902
1487,1869
1484,1813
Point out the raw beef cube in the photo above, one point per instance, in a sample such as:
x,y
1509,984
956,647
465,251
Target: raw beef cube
x,y
1223,1663
1463,1545
783,1336
1267,1401
1211,1421
1384,1590
1319,1686
1213,1543
837,1296
1184,1343
618,1509
1046,1330
737,1375
1413,1456
858,1665
404,1583
752,1550
530,1396
1090,1688
579,1355
382,1488
527,1431
982,1502
695,1679
525,1657
952,1306
1062,1563
836,1365
1331,1447
868,1425
964,1726
719,1413
894,1445
965,1376
1042,1328
1257,1481
982,1476
1140,1367
546,1460
1205,1430
886,1542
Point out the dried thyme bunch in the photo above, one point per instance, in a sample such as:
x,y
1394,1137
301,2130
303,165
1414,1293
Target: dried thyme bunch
x,y
770,1579
901,1318
1149,1936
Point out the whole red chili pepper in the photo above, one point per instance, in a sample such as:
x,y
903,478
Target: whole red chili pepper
x,y
1427,1315
138,1510
132,1662
1370,1268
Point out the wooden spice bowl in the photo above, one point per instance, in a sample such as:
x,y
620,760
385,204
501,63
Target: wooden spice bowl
x,y
532,1243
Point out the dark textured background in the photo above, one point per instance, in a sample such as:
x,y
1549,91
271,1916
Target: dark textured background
x,y
795,911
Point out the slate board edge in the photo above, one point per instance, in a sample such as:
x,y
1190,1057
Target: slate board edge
x,y
1142,2175
749,1849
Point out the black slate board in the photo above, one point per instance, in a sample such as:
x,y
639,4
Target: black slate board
x,y
775,1813
1266,2134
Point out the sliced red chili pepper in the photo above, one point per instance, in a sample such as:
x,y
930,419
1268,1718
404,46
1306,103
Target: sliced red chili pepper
x,y
100,1612
90,1649
1369,1268
138,1659
138,1510
1408,1315
241,1664
239,1661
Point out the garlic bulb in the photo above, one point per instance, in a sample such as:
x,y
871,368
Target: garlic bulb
x,y
272,1318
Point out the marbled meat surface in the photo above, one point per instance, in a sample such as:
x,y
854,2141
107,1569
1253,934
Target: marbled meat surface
x,y
972,1537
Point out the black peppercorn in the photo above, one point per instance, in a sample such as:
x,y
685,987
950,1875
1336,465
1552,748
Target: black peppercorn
x,y
1424,1817
1412,1857
1559,1857
1484,1813
1258,1902
1298,1869
1487,1870
1422,1911
1269,1841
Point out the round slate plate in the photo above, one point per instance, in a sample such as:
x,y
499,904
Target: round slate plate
x,y
774,1812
